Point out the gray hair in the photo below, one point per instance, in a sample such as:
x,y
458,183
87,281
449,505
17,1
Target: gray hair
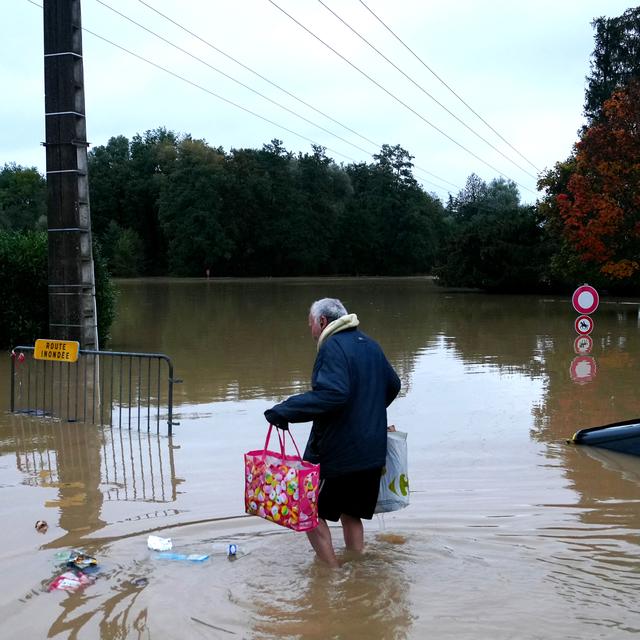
x,y
330,308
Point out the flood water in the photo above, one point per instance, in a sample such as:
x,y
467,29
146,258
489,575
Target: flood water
x,y
511,533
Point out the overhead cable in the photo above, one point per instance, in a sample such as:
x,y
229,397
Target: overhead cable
x,y
230,102
421,88
424,64
226,75
277,86
392,95
213,93
254,72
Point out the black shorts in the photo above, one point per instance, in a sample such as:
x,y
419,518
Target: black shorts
x,y
354,494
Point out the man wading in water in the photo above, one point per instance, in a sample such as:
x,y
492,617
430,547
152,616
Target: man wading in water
x,y
352,385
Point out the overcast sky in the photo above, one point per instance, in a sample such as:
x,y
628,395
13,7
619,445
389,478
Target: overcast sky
x,y
520,65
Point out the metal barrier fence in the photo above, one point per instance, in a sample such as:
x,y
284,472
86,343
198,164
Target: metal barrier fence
x,y
113,388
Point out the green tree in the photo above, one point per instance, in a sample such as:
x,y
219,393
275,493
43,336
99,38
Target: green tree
x,y
323,190
361,227
615,60
390,225
126,180
192,213
110,186
268,221
590,200
565,267
494,242
245,193
123,251
23,198
396,162
153,157
285,220
24,289
106,296
470,200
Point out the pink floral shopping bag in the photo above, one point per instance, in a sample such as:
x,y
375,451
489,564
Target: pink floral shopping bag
x,y
281,488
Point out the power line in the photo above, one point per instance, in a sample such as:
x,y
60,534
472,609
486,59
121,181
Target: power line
x,y
267,80
455,186
232,103
419,86
199,86
213,93
259,75
277,86
404,104
424,64
226,75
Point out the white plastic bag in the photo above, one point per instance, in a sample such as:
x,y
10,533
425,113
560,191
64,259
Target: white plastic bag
x,y
394,482
159,544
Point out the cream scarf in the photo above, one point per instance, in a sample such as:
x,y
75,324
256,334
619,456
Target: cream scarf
x,y
344,322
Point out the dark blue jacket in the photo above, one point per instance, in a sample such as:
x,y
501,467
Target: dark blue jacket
x,y
352,386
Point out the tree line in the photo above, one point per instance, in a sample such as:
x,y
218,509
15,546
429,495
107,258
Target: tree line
x,y
164,203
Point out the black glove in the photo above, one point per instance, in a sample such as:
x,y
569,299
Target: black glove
x,y
276,419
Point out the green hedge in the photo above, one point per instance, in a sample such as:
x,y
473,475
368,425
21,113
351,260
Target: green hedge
x,y
24,314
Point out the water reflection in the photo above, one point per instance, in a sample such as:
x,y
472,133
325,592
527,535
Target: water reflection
x,y
598,551
237,340
608,485
88,466
116,616
85,469
246,339
506,520
567,407
368,598
256,339
138,466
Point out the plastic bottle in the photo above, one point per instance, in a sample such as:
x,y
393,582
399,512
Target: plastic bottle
x,y
191,557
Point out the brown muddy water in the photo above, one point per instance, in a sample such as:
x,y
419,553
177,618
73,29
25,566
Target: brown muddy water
x,y
511,533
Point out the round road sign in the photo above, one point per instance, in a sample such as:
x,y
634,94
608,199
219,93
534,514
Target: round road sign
x,y
585,299
583,369
584,325
583,345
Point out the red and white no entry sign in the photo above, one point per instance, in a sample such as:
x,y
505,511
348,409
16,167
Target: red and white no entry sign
x,y
583,345
584,325
583,369
585,299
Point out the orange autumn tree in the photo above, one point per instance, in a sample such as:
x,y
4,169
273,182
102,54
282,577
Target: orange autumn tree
x,y
600,210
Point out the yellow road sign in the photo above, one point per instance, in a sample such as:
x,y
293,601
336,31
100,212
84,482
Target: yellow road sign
x,y
59,350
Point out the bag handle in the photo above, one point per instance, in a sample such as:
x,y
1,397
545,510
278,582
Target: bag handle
x,y
281,438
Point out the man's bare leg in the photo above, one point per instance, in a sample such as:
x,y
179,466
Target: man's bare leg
x,y
353,532
320,539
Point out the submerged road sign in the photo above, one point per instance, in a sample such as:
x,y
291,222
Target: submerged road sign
x,y
585,299
584,325
583,345
583,369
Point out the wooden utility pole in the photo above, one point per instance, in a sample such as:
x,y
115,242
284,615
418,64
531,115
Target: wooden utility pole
x,y
72,300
